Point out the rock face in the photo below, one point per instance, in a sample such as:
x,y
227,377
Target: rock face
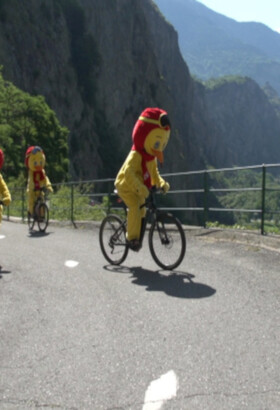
x,y
99,63
141,66
243,126
98,90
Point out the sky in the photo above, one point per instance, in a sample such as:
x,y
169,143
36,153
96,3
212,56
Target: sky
x,y
261,11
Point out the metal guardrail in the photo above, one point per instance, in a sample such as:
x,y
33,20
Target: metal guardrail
x,y
207,189
94,197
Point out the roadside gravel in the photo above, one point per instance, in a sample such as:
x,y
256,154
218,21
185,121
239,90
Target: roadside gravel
x,y
251,238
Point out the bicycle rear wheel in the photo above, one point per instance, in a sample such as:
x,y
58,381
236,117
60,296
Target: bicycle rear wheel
x,y
43,217
167,241
112,239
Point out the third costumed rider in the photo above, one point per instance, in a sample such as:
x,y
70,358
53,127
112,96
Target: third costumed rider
x,y
5,195
140,172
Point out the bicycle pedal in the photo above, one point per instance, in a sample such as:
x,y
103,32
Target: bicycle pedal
x,y
134,245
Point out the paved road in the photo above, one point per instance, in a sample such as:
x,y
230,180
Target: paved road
x,y
85,335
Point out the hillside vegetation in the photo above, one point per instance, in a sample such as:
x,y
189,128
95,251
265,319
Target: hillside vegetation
x,y
27,120
243,190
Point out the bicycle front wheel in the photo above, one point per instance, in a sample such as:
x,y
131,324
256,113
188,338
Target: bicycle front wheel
x,y
30,221
167,241
112,239
43,217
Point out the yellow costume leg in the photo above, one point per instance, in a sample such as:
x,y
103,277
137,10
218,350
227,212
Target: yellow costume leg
x,y
31,200
134,213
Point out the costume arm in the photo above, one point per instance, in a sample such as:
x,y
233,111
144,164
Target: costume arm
x,y
5,193
156,178
48,184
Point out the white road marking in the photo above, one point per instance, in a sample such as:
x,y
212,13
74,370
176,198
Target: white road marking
x,y
71,264
2,236
160,391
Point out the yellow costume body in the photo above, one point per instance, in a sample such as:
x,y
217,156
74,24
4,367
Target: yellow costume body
x,y
5,195
131,188
140,172
37,178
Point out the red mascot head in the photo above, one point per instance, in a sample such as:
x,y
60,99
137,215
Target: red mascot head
x,y
35,158
151,133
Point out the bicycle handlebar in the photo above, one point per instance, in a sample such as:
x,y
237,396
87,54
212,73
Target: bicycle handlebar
x,y
155,189
40,189
150,200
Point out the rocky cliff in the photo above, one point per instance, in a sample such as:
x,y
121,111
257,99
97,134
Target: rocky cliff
x,y
99,63
242,127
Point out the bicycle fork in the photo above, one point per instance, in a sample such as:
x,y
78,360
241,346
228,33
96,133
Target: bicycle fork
x,y
162,233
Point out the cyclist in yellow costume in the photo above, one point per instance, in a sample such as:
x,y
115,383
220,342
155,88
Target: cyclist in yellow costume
x,y
35,161
140,172
5,195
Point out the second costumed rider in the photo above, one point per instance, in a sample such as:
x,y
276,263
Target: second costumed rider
x,y
140,172
35,161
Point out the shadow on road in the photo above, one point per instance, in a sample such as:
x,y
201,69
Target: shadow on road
x,y
4,272
37,234
177,284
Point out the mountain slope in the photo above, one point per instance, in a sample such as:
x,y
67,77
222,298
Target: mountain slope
x,y
214,45
95,63
243,127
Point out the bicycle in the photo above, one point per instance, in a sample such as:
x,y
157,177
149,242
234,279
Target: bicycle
x,y
167,241
40,214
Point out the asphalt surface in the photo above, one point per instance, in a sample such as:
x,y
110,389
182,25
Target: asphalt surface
x,y
76,333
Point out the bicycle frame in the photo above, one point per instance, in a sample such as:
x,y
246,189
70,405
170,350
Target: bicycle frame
x,y
152,211
41,199
40,212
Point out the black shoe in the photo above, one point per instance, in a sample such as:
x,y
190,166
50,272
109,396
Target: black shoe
x,y
134,245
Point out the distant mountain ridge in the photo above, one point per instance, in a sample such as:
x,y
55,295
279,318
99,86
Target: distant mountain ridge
x,y
214,45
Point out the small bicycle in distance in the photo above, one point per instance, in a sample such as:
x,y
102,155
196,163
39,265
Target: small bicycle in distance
x,y
167,241
40,213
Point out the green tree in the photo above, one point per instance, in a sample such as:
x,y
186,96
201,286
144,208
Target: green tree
x,y
27,120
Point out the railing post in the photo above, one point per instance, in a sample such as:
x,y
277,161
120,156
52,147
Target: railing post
x,y
22,203
263,198
205,199
72,205
109,198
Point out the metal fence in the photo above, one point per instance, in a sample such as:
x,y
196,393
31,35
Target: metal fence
x,y
194,195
